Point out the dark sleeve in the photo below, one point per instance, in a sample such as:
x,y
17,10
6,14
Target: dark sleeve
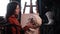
x,y
44,19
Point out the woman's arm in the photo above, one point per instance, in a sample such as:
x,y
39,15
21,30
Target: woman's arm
x,y
29,25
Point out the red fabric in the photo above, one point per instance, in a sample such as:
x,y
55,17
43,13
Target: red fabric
x,y
13,20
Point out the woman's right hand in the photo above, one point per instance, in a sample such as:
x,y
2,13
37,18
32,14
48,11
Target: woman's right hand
x,y
30,25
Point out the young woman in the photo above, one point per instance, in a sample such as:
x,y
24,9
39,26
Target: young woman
x,y
13,9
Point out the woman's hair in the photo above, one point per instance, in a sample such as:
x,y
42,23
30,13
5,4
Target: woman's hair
x,y
11,8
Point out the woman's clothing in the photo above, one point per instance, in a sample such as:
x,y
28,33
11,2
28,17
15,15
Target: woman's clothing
x,y
17,28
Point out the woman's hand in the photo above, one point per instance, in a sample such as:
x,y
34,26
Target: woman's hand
x,y
30,25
